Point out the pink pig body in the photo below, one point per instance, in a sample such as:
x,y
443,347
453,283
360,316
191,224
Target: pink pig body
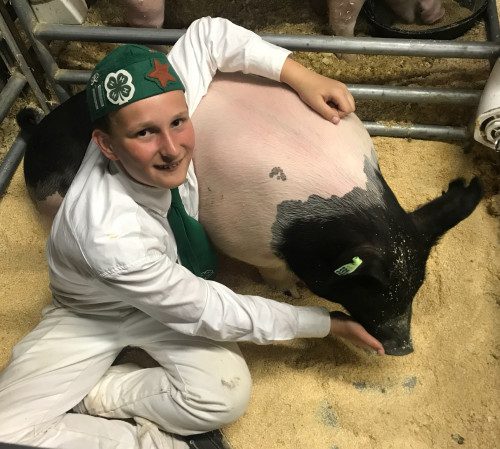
x,y
266,147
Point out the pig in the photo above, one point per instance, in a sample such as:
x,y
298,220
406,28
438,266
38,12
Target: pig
x,y
342,14
144,13
290,193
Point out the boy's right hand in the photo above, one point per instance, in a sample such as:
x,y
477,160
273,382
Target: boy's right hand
x,y
329,98
341,325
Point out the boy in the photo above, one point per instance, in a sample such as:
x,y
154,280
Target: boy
x,y
127,265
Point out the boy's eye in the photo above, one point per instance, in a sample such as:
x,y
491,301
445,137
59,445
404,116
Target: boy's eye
x,y
143,133
177,122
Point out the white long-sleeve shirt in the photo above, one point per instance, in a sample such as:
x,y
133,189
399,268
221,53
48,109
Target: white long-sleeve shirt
x,y
111,248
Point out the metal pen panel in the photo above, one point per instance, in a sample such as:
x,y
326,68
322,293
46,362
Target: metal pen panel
x,y
22,63
28,21
42,32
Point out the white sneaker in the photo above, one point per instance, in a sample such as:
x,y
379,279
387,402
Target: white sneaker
x,y
83,406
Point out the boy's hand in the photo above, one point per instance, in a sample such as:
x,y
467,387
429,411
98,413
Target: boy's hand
x,y
329,98
341,325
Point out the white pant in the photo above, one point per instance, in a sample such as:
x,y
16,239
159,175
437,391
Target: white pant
x,y
201,384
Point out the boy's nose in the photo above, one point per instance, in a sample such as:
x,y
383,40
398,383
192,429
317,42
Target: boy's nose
x,y
168,146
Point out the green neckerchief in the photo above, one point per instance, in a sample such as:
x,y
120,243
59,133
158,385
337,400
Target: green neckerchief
x,y
193,246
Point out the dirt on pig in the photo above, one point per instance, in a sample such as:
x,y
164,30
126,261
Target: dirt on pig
x,y
326,394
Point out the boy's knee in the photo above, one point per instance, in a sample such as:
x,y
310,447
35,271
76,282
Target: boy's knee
x,y
222,402
235,396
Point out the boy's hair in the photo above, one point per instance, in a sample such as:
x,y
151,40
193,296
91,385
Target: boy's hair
x,y
103,123
128,74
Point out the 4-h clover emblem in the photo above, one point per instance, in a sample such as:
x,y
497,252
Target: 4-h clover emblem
x,y
119,87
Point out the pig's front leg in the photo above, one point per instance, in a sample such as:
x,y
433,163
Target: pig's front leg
x,y
280,278
342,16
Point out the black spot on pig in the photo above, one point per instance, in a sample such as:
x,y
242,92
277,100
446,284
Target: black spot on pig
x,y
278,172
318,236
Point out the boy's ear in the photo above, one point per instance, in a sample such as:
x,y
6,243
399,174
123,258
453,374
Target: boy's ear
x,y
102,139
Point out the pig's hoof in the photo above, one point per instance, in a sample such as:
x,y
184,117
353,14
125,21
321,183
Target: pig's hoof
x,y
466,197
458,186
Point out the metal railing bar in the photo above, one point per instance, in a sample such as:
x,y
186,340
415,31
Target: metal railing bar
x,y
363,45
11,161
359,91
10,92
417,131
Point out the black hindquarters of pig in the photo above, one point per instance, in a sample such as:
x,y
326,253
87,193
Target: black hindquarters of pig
x,y
319,239
55,148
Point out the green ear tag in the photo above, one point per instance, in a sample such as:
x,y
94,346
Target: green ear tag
x,y
348,268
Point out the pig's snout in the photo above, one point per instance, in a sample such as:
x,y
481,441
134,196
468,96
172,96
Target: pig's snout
x,y
431,12
400,346
394,334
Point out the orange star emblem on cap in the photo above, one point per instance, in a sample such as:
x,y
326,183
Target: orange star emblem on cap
x,y
161,73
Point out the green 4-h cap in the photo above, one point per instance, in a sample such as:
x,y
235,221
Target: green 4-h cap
x,y
127,74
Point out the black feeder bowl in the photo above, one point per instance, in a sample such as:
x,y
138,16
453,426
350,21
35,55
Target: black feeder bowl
x,y
380,19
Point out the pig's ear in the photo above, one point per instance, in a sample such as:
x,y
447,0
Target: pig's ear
x,y
368,267
433,219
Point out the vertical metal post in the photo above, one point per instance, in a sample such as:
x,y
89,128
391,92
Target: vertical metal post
x,y
492,26
21,61
28,21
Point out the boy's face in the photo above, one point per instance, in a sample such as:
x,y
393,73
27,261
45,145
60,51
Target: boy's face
x,y
153,139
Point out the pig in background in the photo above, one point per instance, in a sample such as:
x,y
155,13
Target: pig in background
x,y
144,13
139,13
288,192
342,14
